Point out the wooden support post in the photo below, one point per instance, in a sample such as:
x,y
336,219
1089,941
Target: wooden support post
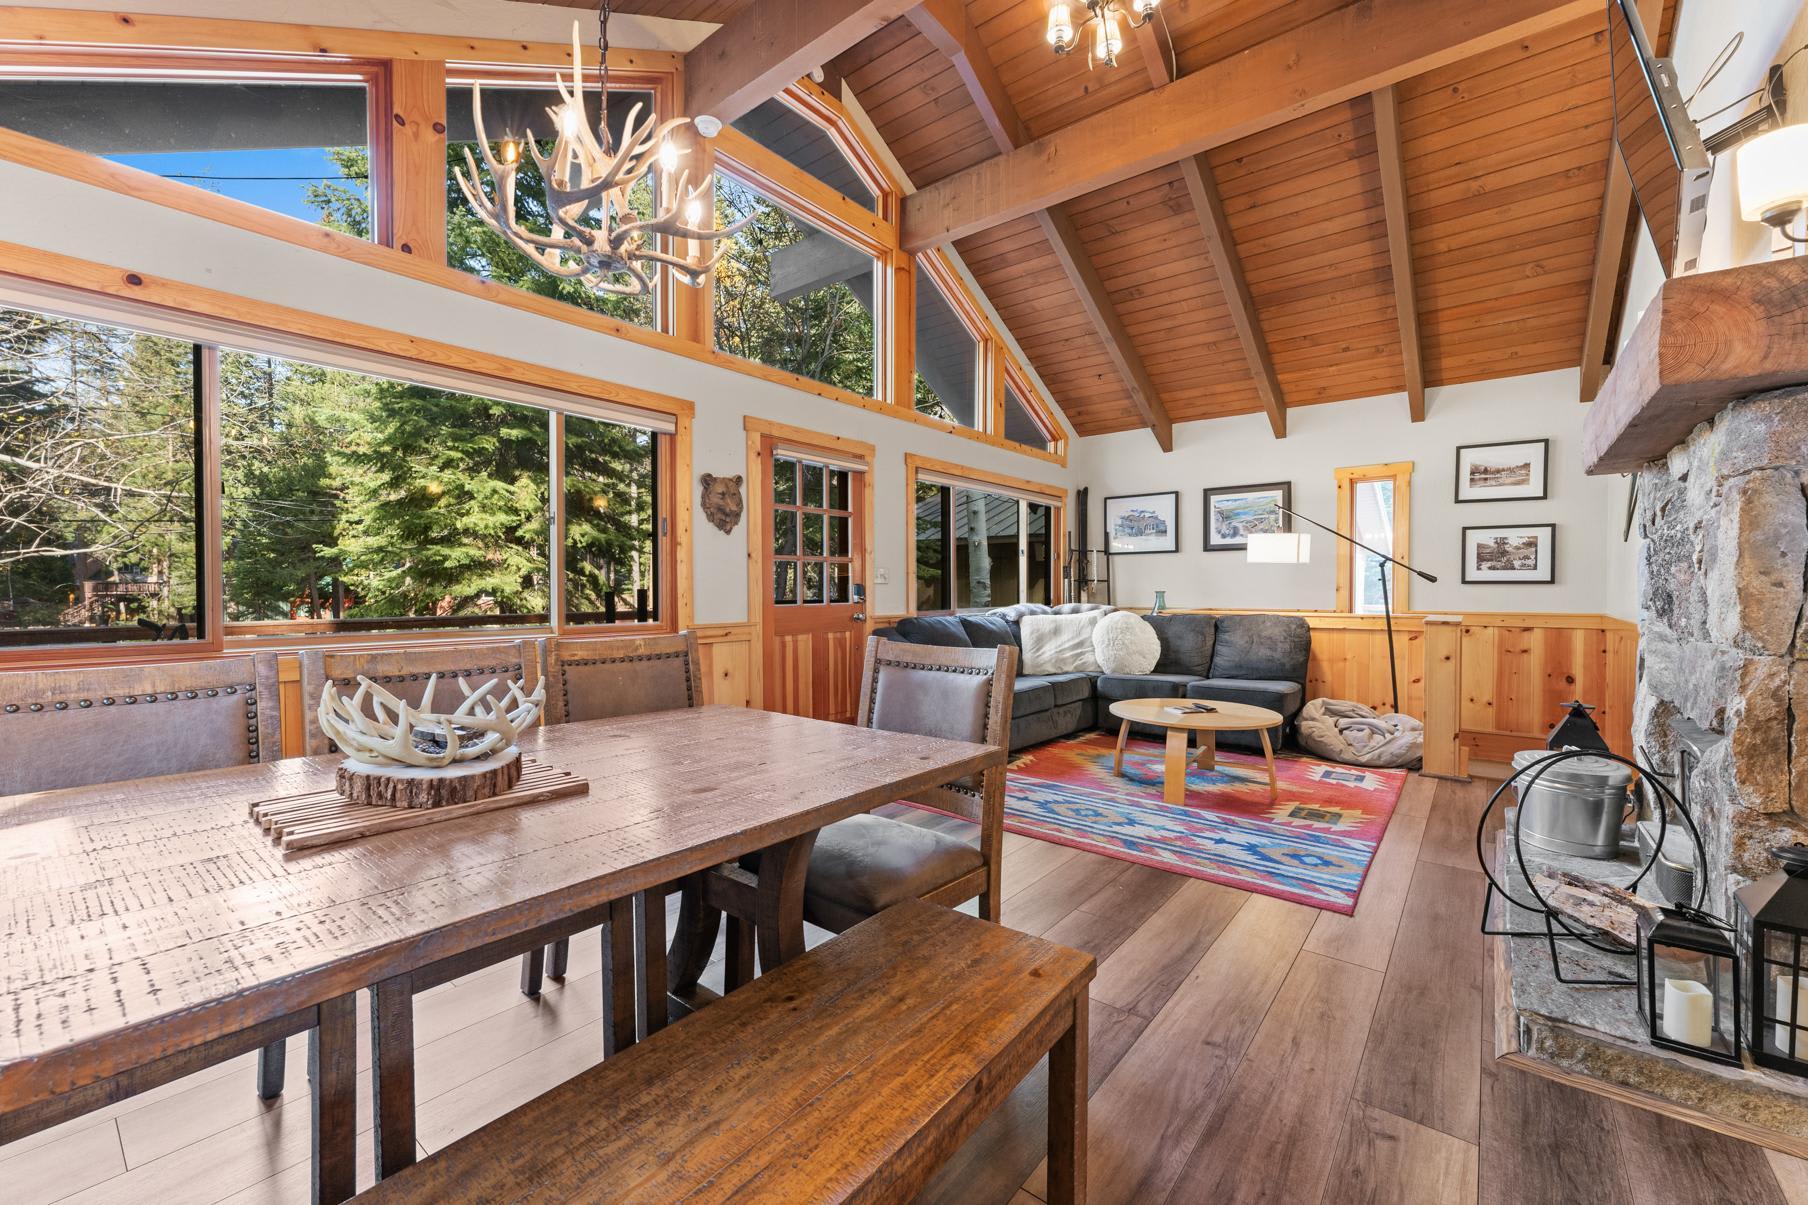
x,y
416,175
1444,755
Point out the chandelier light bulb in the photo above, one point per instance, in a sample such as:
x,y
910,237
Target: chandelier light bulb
x,y
1145,10
668,156
511,151
1107,38
693,212
571,119
1060,27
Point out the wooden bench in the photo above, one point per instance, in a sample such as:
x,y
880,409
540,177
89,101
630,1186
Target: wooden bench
x,y
850,1073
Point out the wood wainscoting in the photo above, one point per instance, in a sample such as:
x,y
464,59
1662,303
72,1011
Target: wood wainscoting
x,y
728,653
1497,678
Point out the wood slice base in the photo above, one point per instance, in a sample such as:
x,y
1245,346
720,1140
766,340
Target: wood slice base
x,y
408,787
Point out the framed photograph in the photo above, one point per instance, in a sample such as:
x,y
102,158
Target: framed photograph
x,y
1510,554
1142,523
1503,472
1233,513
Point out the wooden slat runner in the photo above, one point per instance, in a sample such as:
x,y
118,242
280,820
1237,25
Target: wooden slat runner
x,y
316,818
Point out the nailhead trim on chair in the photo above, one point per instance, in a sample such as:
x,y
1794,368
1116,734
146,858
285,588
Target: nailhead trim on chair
x,y
249,689
872,698
690,687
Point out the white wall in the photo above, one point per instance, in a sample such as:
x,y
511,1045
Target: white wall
x,y
1594,568
45,211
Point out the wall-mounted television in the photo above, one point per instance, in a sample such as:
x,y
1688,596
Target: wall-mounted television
x,y
1659,142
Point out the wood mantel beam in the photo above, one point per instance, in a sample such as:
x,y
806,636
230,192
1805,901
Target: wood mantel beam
x,y
1208,208
948,28
1336,58
763,48
1399,246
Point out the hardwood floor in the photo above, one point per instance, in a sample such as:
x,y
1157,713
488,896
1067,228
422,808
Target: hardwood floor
x,y
1243,1050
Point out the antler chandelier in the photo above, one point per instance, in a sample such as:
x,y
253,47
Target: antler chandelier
x,y
597,235
1107,19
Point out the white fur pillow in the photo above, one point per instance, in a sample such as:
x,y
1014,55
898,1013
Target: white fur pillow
x,y
1126,643
1060,644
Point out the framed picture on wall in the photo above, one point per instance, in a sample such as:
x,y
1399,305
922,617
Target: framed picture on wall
x,y
1503,472
1525,554
1233,513
1142,523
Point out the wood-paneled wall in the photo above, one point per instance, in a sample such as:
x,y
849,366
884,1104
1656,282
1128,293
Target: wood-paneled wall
x,y
729,655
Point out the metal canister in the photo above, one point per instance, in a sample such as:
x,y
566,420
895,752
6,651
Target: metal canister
x,y
1576,807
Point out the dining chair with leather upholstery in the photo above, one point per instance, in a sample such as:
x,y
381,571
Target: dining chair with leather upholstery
x,y
77,727
864,864
599,678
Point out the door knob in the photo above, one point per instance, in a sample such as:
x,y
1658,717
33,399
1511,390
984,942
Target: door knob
x,y
859,617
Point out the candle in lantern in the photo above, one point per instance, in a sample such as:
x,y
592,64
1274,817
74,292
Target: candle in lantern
x,y
1688,1012
1800,984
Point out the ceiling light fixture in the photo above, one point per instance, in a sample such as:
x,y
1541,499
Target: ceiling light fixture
x,y
597,234
1107,19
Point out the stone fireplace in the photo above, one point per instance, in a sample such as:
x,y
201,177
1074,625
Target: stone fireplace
x,y
1723,667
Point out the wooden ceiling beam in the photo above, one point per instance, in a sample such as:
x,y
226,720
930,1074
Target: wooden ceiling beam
x,y
1613,242
1227,265
763,48
1071,252
1399,246
1336,58
948,28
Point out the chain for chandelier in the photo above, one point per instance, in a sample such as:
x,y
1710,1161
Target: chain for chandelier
x,y
596,234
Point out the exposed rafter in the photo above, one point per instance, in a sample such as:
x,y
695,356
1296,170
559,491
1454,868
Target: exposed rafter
x,y
948,28
764,47
1399,245
1613,240
1208,207
1336,58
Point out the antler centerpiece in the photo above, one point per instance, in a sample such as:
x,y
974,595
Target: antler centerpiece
x,y
399,754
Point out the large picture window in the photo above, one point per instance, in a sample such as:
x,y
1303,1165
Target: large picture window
x,y
791,295
99,523
348,503
977,549
299,145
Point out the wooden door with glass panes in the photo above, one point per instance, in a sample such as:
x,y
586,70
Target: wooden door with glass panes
x,y
815,613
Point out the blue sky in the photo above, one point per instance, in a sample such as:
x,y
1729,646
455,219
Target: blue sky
x,y
284,195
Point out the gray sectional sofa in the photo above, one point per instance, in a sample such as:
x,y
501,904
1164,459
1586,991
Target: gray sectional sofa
x,y
1255,659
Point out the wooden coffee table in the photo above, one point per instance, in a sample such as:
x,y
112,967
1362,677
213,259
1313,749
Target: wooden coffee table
x,y
1227,717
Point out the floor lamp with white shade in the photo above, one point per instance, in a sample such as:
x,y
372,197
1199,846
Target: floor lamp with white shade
x,y
1295,548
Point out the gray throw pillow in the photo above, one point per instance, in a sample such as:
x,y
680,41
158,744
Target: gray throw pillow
x,y
1269,647
1186,643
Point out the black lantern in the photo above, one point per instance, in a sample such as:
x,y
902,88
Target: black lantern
x,y
1689,984
1773,940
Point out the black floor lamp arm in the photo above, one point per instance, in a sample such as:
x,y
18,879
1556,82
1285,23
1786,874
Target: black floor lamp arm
x,y
1353,540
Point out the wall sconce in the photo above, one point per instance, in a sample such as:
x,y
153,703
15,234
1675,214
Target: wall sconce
x,y
1773,178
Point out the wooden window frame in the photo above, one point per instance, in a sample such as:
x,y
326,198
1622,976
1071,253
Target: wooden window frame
x,y
672,539
1056,498
415,68
1400,473
934,265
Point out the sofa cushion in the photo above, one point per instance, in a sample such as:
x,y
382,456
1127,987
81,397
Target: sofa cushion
x,y
1030,695
1116,687
1060,644
864,864
1186,643
945,630
988,631
1268,647
1274,694
1069,688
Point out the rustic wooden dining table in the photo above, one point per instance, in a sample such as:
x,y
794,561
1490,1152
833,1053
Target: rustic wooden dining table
x,y
152,929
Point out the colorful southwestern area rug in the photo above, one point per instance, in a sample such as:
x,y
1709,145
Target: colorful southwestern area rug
x,y
1313,845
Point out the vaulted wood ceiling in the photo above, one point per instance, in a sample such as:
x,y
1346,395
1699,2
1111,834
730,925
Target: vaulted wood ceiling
x,y
1502,166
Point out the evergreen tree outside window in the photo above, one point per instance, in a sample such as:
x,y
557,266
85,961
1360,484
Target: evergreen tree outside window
x,y
792,296
611,523
99,523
